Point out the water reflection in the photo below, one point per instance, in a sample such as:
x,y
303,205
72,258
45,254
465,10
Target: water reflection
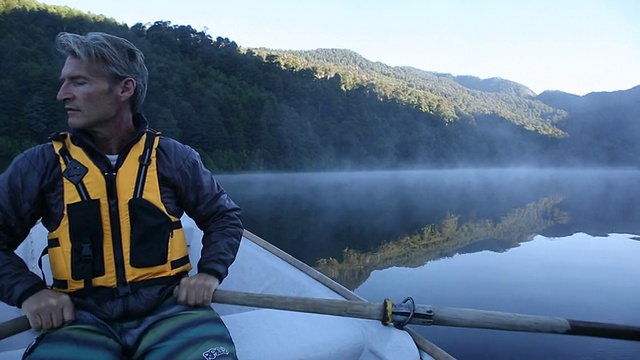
x,y
316,216
445,239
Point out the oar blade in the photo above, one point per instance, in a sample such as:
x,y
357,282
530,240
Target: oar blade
x,y
495,320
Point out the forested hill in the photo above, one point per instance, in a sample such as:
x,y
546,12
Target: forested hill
x,y
448,97
260,109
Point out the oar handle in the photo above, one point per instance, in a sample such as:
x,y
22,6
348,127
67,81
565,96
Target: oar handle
x,y
14,326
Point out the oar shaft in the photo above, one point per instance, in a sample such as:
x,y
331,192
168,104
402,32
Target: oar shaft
x,y
443,316
337,307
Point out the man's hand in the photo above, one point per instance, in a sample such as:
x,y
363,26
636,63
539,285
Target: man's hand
x,y
48,309
196,290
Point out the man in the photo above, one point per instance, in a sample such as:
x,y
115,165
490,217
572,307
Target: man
x,y
111,194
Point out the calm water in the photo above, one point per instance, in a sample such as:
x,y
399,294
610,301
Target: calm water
x,y
548,242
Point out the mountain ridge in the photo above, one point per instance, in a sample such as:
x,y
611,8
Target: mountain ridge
x,y
441,94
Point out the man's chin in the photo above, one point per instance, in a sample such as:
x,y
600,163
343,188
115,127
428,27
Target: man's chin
x,y
74,123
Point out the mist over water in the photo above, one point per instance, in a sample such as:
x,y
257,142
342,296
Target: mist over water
x,y
554,242
317,215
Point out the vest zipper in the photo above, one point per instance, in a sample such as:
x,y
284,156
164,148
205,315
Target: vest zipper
x,y
116,234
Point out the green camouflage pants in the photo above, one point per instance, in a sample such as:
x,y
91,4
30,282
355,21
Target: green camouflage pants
x,y
172,332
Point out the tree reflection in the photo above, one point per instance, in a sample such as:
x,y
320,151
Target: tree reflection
x,y
449,237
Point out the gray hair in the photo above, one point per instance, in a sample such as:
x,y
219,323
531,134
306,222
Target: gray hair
x,y
120,58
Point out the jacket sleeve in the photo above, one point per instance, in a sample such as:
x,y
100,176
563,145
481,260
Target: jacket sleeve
x,y
21,204
207,203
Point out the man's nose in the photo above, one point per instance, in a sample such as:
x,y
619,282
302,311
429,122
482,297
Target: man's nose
x,y
64,94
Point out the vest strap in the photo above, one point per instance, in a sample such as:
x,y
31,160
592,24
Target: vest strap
x,y
60,284
45,251
177,263
100,292
145,161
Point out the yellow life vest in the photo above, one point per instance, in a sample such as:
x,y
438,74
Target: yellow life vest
x,y
115,232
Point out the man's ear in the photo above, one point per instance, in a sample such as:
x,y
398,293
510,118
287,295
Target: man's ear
x,y
127,88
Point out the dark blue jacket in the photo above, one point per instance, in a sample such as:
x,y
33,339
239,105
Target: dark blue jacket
x,y
31,189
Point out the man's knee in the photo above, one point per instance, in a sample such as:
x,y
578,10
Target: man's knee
x,y
73,342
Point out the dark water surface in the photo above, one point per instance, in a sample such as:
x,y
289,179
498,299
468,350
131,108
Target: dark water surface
x,y
553,242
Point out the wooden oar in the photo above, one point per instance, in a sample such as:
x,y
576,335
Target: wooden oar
x,y
422,315
444,316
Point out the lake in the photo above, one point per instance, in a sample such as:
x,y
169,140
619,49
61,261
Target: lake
x,y
552,242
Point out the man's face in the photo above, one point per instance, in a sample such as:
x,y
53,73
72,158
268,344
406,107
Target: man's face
x,y
90,100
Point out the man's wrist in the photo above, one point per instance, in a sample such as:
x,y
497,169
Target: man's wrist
x,y
35,288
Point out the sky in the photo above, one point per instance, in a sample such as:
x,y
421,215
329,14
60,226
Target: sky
x,y
575,46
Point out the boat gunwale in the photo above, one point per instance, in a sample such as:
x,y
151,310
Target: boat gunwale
x,y
424,345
